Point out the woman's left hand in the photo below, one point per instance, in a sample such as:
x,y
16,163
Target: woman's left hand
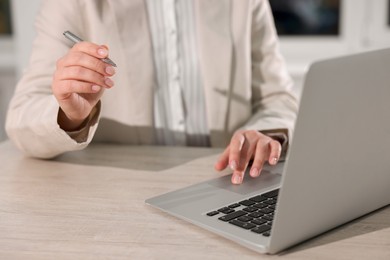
x,y
244,146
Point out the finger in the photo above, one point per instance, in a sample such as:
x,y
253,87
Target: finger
x,y
236,146
261,156
87,75
77,58
275,151
223,161
237,177
248,148
95,50
67,87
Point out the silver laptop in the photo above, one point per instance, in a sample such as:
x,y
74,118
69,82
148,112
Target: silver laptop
x,y
337,169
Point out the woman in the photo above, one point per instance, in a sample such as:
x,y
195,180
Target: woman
x,y
189,73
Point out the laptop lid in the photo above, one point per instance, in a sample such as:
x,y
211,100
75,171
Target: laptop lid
x,y
337,168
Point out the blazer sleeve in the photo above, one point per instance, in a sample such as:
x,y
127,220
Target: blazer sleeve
x,y
32,114
274,104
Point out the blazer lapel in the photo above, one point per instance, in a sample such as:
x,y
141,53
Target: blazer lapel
x,y
215,48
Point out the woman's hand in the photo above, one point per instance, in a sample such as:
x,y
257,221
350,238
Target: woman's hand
x,y
244,146
79,81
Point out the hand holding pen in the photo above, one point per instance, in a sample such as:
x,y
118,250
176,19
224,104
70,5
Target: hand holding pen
x,y
75,39
79,81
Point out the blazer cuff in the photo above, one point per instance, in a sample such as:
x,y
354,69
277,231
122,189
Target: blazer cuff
x,y
81,135
280,135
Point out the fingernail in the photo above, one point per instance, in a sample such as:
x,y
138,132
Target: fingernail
x,y
242,140
109,82
110,70
233,165
102,52
96,88
254,172
237,179
274,161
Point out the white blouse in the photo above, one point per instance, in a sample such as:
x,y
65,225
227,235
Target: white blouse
x,y
179,102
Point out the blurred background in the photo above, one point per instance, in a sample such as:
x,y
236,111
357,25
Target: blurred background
x,y
309,30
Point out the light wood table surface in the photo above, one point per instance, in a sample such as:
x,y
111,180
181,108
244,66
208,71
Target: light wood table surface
x,y
90,205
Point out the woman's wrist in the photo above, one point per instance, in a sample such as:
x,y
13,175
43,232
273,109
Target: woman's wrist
x,y
68,124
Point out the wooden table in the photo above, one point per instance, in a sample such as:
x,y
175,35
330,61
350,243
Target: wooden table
x,y
90,205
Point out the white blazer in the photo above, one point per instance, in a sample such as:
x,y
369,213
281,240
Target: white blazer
x,y
246,83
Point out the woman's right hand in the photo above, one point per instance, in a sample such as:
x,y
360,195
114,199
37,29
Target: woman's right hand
x,y
79,82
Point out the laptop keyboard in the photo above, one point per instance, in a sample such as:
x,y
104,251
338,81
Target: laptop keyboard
x,y
255,214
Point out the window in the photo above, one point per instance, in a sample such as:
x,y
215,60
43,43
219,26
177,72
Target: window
x,y
5,18
306,17
388,12
312,30
6,43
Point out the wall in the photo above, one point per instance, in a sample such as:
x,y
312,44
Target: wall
x,y
7,82
14,53
7,79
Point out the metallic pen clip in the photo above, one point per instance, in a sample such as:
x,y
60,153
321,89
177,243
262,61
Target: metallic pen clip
x,y
75,39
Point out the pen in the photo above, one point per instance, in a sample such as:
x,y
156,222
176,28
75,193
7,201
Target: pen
x,y
75,39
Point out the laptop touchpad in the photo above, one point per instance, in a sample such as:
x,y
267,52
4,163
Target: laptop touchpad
x,y
249,185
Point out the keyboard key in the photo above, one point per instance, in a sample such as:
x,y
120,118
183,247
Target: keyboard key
x,y
256,214
266,210
226,210
247,203
261,229
245,218
258,221
250,209
242,224
233,215
266,234
223,209
270,202
235,205
212,213
258,198
271,194
267,218
260,205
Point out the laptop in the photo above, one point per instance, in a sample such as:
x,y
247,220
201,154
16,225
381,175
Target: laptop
x,y
336,170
